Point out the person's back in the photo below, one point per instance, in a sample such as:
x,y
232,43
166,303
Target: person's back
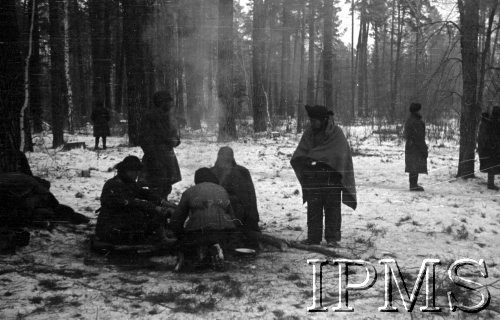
x,y
203,219
207,206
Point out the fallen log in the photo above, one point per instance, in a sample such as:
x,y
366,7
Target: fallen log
x,y
73,145
313,248
281,244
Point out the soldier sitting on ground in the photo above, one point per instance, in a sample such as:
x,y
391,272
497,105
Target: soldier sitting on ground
x,y
210,222
130,214
238,183
25,200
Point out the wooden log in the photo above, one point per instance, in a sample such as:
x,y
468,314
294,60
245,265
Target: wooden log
x,y
281,244
73,145
313,248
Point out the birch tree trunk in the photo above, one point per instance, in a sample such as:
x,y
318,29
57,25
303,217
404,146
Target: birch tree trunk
x,y
67,72
24,123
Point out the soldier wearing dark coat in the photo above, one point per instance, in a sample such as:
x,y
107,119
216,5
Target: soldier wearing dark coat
x,y
130,214
204,218
238,183
100,118
159,137
323,164
489,146
416,150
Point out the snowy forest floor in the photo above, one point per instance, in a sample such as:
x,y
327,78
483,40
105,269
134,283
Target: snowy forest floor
x,y
57,277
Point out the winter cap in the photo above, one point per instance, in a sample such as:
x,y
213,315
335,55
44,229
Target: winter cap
x,y
318,112
415,107
130,163
205,175
161,97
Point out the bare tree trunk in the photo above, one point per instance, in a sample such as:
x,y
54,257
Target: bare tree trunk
x,y
99,22
469,24
397,63
328,54
193,65
24,125
285,61
376,69
300,104
353,73
58,84
310,67
11,81
258,50
67,67
227,125
485,54
135,14
35,70
392,106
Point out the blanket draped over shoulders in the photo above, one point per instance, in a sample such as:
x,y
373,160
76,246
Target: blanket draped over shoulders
x,y
333,150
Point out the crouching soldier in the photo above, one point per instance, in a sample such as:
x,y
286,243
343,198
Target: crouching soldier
x,y
130,214
323,165
238,183
207,209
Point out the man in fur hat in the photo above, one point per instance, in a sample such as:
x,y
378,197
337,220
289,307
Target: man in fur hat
x,y
323,165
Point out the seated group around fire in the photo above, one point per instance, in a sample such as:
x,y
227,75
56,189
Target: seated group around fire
x,y
217,213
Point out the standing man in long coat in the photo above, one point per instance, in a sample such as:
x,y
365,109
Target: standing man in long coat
x,y
159,137
416,150
323,165
100,118
489,146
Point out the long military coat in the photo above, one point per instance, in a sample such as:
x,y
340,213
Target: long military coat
x,y
415,149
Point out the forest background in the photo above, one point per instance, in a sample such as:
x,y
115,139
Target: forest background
x,y
232,66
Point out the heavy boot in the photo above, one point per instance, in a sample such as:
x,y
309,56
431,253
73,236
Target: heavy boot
x,y
414,183
104,143
491,182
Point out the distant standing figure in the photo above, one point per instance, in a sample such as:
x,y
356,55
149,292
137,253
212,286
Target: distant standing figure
x,y
489,146
238,183
100,118
159,137
416,150
323,164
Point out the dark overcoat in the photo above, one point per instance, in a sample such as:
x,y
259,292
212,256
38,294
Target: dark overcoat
x,y
489,146
330,147
127,213
206,207
159,136
415,149
238,183
100,118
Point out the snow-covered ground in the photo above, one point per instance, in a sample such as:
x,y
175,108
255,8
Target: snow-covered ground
x,y
57,277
